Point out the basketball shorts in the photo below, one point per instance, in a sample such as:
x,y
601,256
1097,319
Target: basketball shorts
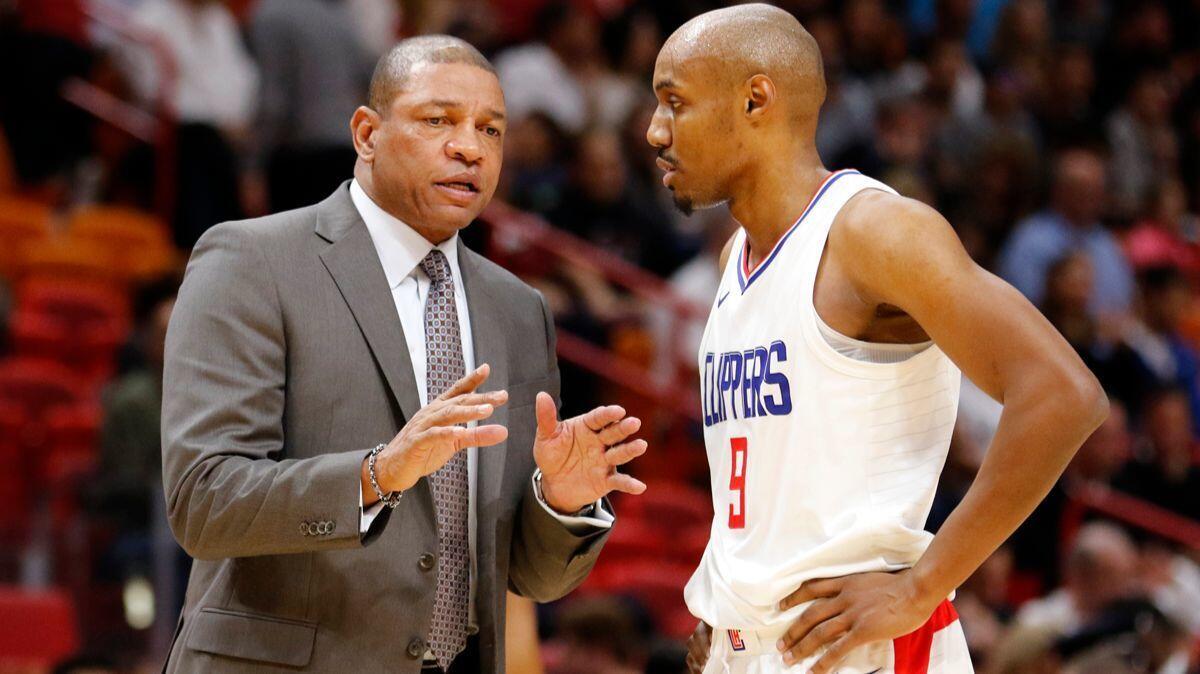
x,y
937,647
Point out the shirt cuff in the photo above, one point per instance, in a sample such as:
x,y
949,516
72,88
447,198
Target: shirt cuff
x,y
367,514
592,516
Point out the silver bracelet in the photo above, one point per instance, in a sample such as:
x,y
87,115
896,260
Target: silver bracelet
x,y
390,500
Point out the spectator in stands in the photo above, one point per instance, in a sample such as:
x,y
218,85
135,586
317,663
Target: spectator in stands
x,y
1135,133
213,94
1165,471
129,482
1065,114
599,636
1168,236
535,171
314,73
1072,222
544,76
599,206
1168,358
1100,567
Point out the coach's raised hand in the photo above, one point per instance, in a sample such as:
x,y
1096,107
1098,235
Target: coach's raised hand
x,y
435,433
579,457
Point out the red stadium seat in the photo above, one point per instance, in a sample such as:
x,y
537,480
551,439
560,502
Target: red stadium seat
x,y
36,628
22,222
139,243
89,352
36,385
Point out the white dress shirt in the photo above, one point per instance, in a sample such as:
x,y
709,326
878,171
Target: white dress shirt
x,y
401,250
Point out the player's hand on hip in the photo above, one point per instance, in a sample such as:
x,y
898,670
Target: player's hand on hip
x,y
698,646
579,457
437,431
849,612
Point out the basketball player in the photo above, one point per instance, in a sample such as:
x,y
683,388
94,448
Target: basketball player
x,y
830,377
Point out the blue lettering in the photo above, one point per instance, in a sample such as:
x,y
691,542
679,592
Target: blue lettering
x,y
783,405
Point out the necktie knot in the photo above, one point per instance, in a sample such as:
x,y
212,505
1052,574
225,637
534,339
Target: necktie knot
x,y
436,266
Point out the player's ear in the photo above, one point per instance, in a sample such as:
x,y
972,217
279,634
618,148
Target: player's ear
x,y
760,96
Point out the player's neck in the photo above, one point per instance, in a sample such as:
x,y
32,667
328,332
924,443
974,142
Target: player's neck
x,y
772,199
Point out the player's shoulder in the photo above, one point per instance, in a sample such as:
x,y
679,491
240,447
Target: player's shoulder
x,y
875,222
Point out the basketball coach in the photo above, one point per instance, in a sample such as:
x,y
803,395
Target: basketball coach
x,y
361,447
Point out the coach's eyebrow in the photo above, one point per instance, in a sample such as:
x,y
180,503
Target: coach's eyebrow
x,y
664,84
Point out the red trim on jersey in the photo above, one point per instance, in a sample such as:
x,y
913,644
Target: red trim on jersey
x,y
747,272
912,650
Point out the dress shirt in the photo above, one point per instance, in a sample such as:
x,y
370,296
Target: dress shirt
x,y
401,250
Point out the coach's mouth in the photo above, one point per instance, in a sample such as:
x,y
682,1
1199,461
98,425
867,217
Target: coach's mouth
x,y
461,188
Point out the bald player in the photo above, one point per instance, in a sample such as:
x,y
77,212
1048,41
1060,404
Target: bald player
x,y
830,371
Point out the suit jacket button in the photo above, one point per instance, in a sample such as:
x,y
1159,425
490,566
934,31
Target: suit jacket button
x,y
426,561
416,648
332,524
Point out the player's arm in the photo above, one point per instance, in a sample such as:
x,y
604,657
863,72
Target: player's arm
x,y
900,252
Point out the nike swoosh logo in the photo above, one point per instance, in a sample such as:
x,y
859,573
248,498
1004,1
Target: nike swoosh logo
x,y
719,303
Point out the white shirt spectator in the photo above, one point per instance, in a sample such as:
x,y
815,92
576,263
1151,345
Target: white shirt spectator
x,y
536,80
216,81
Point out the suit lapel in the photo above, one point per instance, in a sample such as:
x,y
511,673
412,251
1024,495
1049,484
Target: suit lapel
x,y
355,267
491,347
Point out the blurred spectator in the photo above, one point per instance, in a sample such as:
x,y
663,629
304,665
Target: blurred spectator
x,y
535,173
599,206
1071,223
314,74
128,485
1164,471
1169,235
213,95
982,602
1136,133
1065,112
1100,567
1169,359
377,23
1129,635
543,76
600,637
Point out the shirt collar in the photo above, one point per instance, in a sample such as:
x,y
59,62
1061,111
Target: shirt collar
x,y
400,247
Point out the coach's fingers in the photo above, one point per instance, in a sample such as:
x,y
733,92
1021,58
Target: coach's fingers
x,y
820,636
489,398
816,613
600,417
625,452
833,657
618,431
468,383
625,483
547,416
480,436
810,590
451,415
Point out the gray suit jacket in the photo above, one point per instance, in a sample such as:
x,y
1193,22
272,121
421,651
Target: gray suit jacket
x,y
285,364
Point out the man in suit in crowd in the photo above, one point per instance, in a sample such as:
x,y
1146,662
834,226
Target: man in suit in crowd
x,y
324,539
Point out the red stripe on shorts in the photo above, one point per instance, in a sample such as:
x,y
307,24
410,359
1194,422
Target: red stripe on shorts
x,y
912,650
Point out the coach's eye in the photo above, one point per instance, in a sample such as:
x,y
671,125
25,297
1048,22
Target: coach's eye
x,y
435,121
492,131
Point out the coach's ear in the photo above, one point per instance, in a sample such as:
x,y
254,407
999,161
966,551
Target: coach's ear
x,y
760,96
363,126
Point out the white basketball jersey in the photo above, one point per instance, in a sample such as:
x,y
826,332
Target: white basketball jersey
x,y
821,465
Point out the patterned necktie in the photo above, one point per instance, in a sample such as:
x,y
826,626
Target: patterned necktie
x,y
444,366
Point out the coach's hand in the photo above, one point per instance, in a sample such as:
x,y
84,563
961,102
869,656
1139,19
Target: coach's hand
x,y
849,612
579,457
698,646
435,433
